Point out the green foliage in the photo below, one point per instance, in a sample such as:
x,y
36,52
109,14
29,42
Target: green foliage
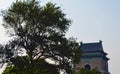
x,y
86,71
41,67
40,31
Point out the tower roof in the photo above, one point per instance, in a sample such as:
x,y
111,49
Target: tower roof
x,y
93,50
96,46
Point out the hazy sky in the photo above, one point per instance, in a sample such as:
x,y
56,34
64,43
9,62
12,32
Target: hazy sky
x,y
93,20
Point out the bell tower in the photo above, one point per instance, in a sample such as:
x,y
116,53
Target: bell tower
x,y
93,57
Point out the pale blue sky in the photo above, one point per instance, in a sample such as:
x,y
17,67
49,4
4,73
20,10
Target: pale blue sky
x,y
93,20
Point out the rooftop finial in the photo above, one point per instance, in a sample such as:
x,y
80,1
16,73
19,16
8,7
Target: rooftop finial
x,y
100,41
81,42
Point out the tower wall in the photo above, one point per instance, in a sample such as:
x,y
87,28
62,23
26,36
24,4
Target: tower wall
x,y
94,56
95,63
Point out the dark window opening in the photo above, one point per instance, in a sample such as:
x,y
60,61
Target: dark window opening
x,y
87,66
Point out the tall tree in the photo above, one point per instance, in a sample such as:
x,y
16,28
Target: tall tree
x,y
40,31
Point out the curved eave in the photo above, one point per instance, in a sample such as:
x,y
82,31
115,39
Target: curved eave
x,y
95,56
95,52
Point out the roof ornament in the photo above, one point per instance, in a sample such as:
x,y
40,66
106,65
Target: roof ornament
x,y
100,41
81,42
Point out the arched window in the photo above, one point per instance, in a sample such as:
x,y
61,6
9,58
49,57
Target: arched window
x,y
87,66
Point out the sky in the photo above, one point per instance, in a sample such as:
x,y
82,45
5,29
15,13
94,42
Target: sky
x,y
92,20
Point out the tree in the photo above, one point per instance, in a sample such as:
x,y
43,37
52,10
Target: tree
x,y
1,54
20,67
40,31
86,71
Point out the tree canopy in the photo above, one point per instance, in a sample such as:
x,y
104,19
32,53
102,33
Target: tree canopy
x,y
21,67
40,32
86,71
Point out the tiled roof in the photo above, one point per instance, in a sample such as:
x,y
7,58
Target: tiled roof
x,y
91,46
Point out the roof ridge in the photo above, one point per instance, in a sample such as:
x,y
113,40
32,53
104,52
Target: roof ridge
x,y
94,46
90,42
